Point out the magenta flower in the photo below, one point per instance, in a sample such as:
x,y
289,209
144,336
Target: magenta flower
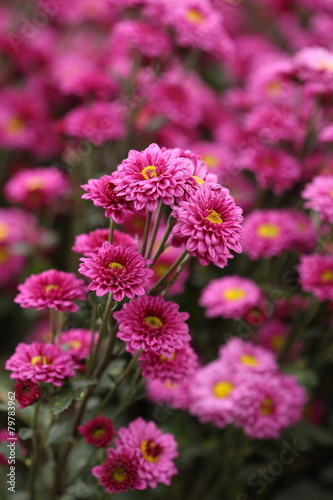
x,y
102,193
152,324
267,233
26,393
316,275
76,342
173,394
319,196
119,270
273,335
99,431
151,175
180,366
51,289
229,297
37,187
89,244
40,363
119,472
243,355
269,404
154,450
209,225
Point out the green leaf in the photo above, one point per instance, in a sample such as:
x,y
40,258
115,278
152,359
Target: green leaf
x,y
26,433
61,400
59,432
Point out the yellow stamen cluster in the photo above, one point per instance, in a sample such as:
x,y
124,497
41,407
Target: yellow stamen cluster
x,y
149,172
222,389
214,217
153,321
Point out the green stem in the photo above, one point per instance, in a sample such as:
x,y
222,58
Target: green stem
x,y
111,231
162,245
155,228
102,330
146,233
168,272
53,324
175,276
35,453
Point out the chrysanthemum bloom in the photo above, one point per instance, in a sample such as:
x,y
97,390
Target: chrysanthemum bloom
x,y
26,393
199,172
319,196
243,355
119,472
305,234
51,289
229,297
181,365
173,394
98,123
209,224
274,169
10,264
40,363
76,342
119,270
273,335
89,244
150,176
154,450
152,324
99,431
316,275
269,404
314,65
37,187
102,193
267,233
214,393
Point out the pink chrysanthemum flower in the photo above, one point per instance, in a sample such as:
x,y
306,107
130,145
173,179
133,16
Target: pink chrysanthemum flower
x,y
173,394
40,363
316,275
99,431
269,404
305,234
199,172
89,244
102,193
319,196
267,233
243,355
154,450
119,270
181,365
76,342
51,289
214,393
98,123
37,187
152,324
209,224
26,393
229,297
119,472
151,175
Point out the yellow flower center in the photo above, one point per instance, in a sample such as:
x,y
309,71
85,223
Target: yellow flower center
x,y
150,451
268,230
211,160
222,389
198,179
153,321
14,126
76,344
273,88
48,288
267,406
327,276
40,360
4,231
277,341
325,64
249,360
214,217
35,183
160,269
116,265
4,255
99,432
163,358
234,294
195,16
170,385
119,474
149,172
